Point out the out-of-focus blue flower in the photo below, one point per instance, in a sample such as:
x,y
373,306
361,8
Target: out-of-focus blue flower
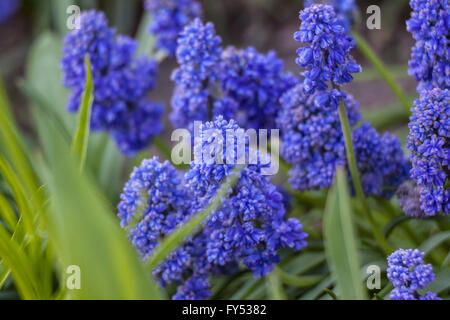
x,y
381,163
326,55
428,141
168,19
121,82
408,195
313,143
312,139
248,228
250,224
429,26
344,9
255,83
408,273
195,288
153,186
244,85
8,8
198,56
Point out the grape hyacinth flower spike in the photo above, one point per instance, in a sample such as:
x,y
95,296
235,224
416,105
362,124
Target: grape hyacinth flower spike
x,y
249,227
408,273
239,84
428,142
326,55
121,83
345,9
313,140
168,19
430,27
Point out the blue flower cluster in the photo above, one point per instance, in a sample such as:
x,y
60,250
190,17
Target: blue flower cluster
x,y
429,25
255,83
312,139
151,194
121,82
198,55
248,228
428,141
344,9
314,144
408,273
380,159
244,85
312,136
326,57
408,195
7,9
169,17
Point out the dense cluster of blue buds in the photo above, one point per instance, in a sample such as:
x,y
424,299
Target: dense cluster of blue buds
x,y
408,273
430,27
255,83
345,9
314,144
428,141
168,19
8,8
249,227
312,136
326,54
240,84
121,82
430,122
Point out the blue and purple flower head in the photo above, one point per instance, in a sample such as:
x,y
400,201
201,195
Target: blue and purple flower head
x,y
249,227
430,27
428,142
345,9
168,19
409,274
121,82
326,54
313,142
240,84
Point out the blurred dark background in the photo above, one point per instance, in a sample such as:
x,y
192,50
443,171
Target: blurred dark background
x,y
264,24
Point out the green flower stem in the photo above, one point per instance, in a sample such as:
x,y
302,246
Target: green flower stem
x,y
177,237
356,180
275,286
367,51
383,292
331,293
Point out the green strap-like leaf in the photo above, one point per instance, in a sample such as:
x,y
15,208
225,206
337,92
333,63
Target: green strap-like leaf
x,y
85,233
15,259
340,241
7,213
12,145
428,245
81,137
275,286
298,281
